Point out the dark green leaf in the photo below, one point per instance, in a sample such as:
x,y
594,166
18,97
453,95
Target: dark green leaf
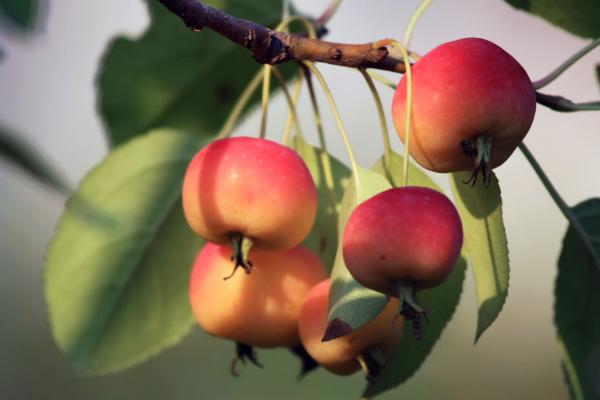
x,y
20,13
577,304
323,239
22,154
580,17
480,210
173,77
411,353
117,268
351,304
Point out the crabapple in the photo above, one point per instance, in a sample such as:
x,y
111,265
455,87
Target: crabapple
x,y
251,192
341,355
402,240
260,309
471,99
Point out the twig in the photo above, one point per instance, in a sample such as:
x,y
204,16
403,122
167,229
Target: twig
x,y
271,47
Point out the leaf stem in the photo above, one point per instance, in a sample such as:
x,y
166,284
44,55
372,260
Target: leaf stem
x,y
565,65
292,107
561,204
241,103
328,13
413,22
266,83
387,147
338,121
323,153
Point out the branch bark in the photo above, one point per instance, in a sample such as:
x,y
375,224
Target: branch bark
x,y
271,47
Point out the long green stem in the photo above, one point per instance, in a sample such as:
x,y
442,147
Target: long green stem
x,y
408,112
562,205
338,121
323,153
387,147
292,107
310,28
287,127
266,90
413,22
242,101
564,66
386,81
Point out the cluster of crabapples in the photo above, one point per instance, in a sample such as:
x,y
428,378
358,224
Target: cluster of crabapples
x,y
254,202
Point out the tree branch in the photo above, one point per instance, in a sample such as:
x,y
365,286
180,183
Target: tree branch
x,y
559,103
271,47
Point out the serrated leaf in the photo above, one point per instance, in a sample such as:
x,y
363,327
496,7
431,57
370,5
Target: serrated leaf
x,y
173,77
15,149
580,17
577,304
351,305
480,210
20,13
323,239
117,268
410,354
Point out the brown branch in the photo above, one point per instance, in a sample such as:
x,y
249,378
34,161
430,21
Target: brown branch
x,y
559,103
271,47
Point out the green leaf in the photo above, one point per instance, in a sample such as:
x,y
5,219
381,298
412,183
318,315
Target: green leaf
x,y
117,268
15,149
410,354
577,304
580,17
323,239
20,13
480,210
173,77
351,305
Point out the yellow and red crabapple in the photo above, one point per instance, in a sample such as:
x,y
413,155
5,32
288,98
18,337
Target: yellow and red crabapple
x,y
251,192
470,99
260,309
402,240
341,355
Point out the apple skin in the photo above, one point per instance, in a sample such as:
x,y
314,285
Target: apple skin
x,y
339,355
463,89
258,309
250,187
409,235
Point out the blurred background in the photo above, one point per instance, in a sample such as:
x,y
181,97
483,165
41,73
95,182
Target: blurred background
x,y
47,92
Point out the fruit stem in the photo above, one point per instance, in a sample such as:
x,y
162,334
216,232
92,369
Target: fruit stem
x,y
565,65
266,83
323,153
241,103
562,205
291,105
413,22
287,127
386,81
338,121
240,246
387,147
410,307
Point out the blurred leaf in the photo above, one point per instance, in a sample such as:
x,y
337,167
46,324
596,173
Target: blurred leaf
x,y
480,210
15,149
598,73
577,305
117,268
173,77
580,17
323,239
410,354
351,305
20,13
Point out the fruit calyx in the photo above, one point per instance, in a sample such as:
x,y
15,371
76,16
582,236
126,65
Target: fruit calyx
x,y
479,148
240,246
308,363
410,307
243,352
371,361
